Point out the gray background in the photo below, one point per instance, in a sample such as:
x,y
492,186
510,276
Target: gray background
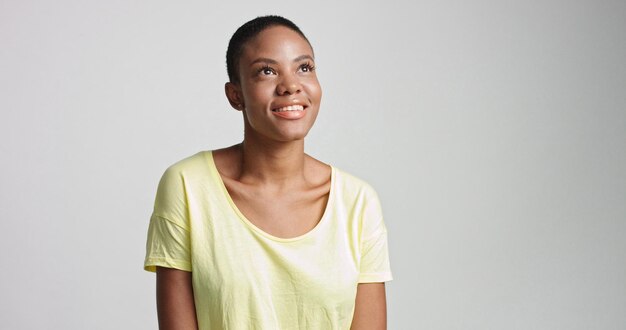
x,y
494,132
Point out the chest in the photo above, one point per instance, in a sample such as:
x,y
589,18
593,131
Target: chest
x,y
239,271
240,266
280,285
283,215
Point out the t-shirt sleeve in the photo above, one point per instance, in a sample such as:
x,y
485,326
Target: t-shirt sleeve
x,y
374,266
168,243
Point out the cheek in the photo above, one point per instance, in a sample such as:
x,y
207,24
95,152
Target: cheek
x,y
315,91
319,92
257,94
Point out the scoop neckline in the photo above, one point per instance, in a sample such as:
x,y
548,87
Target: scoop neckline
x,y
216,175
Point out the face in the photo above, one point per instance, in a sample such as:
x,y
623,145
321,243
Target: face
x,y
278,90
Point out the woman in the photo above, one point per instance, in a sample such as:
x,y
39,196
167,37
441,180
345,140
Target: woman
x,y
260,235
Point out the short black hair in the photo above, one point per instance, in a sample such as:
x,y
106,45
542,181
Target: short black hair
x,y
248,31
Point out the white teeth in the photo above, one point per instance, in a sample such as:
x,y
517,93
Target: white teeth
x,y
290,108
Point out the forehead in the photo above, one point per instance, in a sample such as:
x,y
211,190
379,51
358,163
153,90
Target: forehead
x,y
276,42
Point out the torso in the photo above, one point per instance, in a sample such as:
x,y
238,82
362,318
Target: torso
x,y
280,213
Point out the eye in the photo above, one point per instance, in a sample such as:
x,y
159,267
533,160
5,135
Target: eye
x,y
266,71
306,67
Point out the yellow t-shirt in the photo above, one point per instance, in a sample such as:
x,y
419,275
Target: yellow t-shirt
x,y
245,278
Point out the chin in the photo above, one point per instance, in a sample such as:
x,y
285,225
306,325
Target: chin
x,y
285,133
291,136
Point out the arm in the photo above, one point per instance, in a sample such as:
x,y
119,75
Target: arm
x,y
175,304
370,310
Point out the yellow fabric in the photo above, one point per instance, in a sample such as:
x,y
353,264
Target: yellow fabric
x,y
245,278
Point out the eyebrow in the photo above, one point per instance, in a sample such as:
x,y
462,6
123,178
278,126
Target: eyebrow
x,y
271,61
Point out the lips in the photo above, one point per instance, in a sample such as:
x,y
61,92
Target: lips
x,y
296,107
291,111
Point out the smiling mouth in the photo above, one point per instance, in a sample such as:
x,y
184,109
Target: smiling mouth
x,y
289,108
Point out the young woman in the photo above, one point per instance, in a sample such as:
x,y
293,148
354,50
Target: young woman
x,y
261,235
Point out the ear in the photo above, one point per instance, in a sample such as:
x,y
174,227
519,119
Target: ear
x,y
233,93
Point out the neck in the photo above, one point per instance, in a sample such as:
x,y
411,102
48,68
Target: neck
x,y
265,161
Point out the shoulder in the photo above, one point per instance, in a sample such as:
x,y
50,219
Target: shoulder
x,y
353,185
176,183
195,163
360,199
180,175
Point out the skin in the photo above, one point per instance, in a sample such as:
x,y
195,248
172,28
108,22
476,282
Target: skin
x,y
175,305
269,177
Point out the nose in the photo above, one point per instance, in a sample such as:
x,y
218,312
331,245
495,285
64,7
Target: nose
x,y
289,85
